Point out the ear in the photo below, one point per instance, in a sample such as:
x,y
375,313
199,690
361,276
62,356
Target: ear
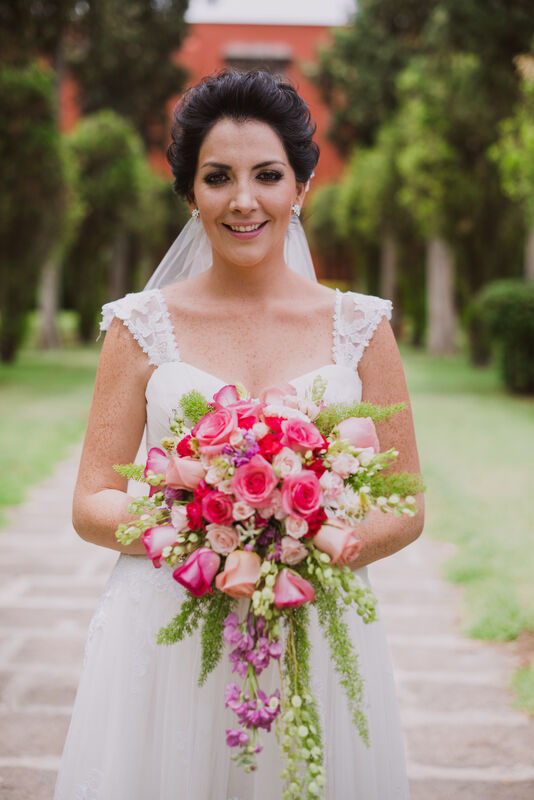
x,y
301,193
191,202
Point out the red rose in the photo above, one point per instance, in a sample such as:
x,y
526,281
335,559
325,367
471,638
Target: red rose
x,y
317,466
301,494
217,508
194,515
183,448
270,445
315,521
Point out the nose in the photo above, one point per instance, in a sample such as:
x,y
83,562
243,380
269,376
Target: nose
x,y
243,197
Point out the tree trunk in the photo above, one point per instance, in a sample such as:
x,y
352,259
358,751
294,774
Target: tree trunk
x,y
441,313
119,267
389,258
529,255
48,300
48,305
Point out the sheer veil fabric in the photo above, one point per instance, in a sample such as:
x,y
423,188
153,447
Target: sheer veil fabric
x,y
190,254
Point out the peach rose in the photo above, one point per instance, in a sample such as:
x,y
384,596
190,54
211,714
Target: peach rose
x,y
240,574
339,540
242,510
292,551
222,538
184,473
274,506
360,432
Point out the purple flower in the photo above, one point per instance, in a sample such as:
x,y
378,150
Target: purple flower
x,y
236,738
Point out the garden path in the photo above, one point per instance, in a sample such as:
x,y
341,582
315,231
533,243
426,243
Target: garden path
x,y
464,740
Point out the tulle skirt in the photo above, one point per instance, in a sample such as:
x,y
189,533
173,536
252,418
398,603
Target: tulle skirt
x,y
142,729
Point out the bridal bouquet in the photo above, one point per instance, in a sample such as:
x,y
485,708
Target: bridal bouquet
x,y
261,499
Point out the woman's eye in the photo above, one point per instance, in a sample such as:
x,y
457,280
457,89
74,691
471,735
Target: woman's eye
x,y
214,178
270,176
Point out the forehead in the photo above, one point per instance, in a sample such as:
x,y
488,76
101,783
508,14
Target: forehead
x,y
236,143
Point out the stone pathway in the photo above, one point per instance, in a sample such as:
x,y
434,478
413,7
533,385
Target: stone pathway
x,y
464,739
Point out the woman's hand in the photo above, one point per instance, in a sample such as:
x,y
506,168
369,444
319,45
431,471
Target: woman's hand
x,y
116,423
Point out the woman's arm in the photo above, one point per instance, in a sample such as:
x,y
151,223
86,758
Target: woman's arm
x,y
383,383
114,431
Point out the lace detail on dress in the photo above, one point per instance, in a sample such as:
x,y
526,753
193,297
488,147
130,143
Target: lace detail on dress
x,y
356,318
146,316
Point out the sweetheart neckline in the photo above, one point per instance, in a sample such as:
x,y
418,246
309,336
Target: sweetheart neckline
x,y
225,383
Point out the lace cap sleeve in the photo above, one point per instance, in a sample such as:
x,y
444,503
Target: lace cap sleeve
x,y
146,316
357,318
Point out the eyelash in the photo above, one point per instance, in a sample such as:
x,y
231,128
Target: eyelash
x,y
218,178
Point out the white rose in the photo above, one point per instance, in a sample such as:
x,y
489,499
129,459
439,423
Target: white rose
x,y
296,527
260,429
292,551
179,517
241,510
331,484
345,464
287,462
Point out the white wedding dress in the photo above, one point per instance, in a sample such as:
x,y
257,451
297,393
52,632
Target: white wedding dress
x,y
141,728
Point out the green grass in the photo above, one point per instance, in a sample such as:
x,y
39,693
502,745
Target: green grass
x,y
476,444
523,685
44,404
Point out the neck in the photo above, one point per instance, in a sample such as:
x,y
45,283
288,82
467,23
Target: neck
x,y
270,278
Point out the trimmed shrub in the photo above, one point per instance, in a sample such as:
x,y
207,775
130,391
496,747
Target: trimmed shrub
x,y
506,310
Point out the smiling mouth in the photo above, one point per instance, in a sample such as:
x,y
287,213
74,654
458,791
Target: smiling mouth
x,y
245,228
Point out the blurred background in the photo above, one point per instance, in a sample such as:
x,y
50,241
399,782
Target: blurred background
x,y
424,194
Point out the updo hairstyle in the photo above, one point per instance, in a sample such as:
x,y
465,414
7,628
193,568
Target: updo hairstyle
x,y
240,96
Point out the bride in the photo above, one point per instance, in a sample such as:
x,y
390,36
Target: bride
x,y
235,300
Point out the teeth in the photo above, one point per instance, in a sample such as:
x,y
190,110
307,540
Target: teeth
x,y
245,228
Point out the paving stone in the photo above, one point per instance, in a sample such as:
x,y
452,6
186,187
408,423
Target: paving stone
x,y
51,649
26,784
32,734
473,746
453,697
44,618
471,790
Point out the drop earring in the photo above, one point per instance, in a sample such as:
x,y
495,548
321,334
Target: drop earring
x,y
295,209
195,214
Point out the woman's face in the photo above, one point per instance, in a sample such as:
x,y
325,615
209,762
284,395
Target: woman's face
x,y
244,188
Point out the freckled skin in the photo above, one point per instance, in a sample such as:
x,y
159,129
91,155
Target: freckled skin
x,y
248,318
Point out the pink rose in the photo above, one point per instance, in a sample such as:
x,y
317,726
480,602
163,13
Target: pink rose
x,y
339,540
214,429
345,464
226,396
198,571
301,494
291,590
287,462
240,574
222,538
360,432
156,539
292,551
157,461
217,508
184,473
296,527
254,482
274,395
301,435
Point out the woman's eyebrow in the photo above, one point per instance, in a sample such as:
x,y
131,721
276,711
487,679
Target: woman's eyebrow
x,y
217,165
